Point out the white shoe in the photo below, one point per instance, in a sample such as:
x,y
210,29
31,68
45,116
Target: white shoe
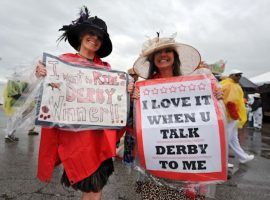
x,y
230,165
249,158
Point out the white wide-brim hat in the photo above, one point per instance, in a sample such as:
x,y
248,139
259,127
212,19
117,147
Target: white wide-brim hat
x,y
189,57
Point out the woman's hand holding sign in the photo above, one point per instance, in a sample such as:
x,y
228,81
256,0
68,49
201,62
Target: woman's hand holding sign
x,y
40,70
218,94
136,94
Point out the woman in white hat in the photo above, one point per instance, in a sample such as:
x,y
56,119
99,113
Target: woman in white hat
x,y
256,108
165,58
85,155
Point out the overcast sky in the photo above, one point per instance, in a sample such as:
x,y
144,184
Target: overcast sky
x,y
235,31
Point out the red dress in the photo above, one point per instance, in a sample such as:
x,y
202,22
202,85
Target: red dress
x,y
81,153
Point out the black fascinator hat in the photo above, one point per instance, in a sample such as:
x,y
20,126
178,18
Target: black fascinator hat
x,y
85,23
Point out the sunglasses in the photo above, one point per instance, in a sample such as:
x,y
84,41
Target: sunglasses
x,y
97,34
238,75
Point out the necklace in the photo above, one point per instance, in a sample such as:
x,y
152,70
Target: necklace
x,y
89,59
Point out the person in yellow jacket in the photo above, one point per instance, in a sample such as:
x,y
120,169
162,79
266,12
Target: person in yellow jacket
x,y
233,97
13,91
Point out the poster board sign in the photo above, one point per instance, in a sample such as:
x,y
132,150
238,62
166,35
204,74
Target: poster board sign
x,y
180,133
75,96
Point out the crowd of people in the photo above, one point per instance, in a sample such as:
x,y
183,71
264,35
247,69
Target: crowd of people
x,y
87,156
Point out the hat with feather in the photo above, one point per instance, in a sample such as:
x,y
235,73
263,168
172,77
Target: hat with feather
x,y
84,23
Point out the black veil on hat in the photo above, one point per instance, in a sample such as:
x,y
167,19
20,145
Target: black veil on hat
x,y
83,23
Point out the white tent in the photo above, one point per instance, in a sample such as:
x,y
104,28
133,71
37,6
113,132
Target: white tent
x,y
261,79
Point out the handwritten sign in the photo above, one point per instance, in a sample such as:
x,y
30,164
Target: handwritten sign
x,y
180,132
78,96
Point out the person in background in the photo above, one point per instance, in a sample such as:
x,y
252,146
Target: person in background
x,y
249,112
12,93
163,57
256,109
32,131
129,139
233,97
85,155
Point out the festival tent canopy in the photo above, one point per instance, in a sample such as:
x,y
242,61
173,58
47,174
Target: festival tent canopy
x,y
246,83
261,79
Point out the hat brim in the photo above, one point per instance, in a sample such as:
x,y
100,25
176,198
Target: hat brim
x,y
235,71
74,40
189,57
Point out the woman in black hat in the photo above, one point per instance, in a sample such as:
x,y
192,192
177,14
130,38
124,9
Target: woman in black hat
x,y
89,37
86,155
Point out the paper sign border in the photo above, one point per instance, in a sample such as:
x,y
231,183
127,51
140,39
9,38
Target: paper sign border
x,y
213,176
77,126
